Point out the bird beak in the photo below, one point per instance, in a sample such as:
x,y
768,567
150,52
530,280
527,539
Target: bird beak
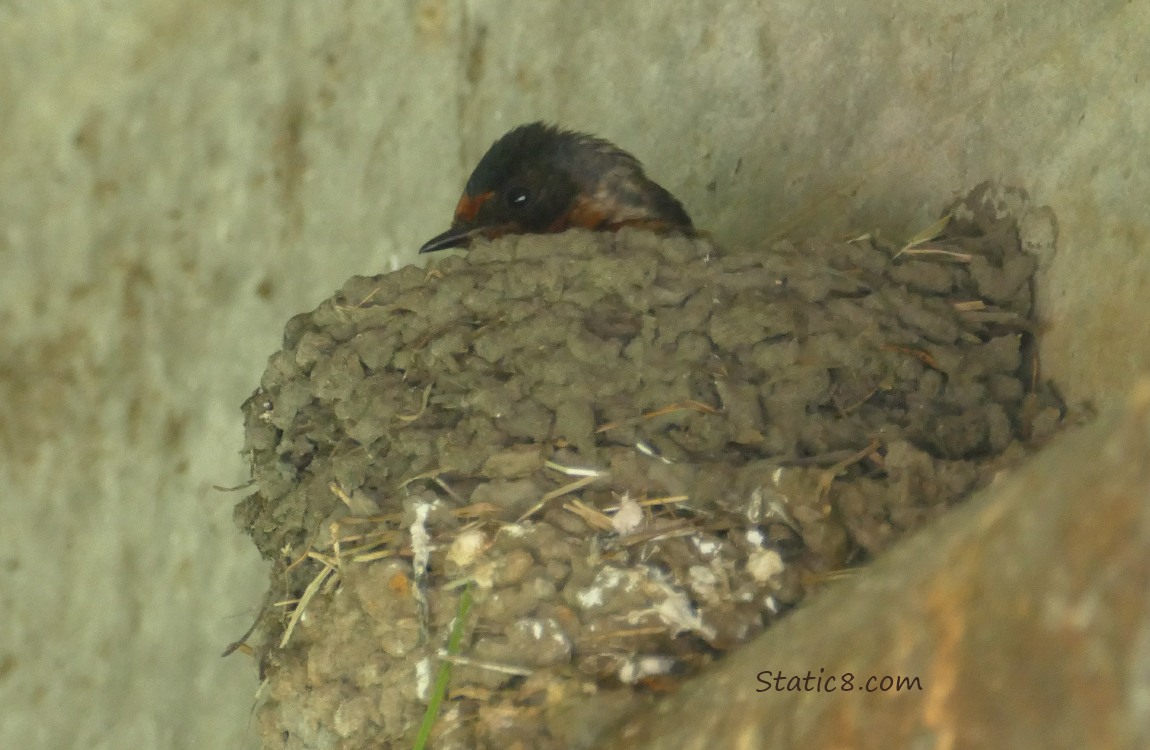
x,y
454,237
464,228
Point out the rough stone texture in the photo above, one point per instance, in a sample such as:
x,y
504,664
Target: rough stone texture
x,y
781,412
177,179
1024,616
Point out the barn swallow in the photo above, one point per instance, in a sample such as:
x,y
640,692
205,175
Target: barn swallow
x,y
539,178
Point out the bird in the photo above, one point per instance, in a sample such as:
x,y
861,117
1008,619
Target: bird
x,y
539,178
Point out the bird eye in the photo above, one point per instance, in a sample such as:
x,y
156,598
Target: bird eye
x,y
518,197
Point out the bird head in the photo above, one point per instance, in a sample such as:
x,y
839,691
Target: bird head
x,y
539,179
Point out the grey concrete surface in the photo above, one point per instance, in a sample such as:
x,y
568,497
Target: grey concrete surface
x,y
177,179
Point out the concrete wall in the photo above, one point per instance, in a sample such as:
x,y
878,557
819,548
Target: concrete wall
x,y
177,179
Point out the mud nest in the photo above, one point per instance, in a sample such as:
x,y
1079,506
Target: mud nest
x,y
632,452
